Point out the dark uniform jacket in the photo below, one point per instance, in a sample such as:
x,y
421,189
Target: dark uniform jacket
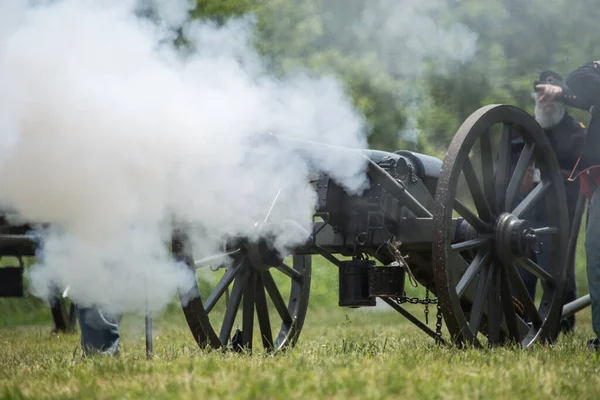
x,y
582,90
567,139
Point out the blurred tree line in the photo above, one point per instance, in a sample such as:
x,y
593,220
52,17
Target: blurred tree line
x,y
402,66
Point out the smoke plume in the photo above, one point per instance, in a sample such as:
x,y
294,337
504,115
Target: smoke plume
x,y
410,36
387,48
406,33
109,135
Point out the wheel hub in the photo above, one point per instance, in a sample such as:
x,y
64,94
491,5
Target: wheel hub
x,y
261,254
515,237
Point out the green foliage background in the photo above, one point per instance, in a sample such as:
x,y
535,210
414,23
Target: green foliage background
x,y
515,41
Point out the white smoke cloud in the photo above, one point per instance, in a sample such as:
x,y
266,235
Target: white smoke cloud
x,y
170,13
109,135
390,45
406,33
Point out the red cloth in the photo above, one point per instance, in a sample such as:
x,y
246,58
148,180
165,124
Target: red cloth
x,y
588,180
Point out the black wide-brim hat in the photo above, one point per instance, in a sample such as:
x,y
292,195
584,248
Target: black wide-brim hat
x,y
548,77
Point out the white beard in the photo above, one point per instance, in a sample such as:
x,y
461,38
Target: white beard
x,y
548,120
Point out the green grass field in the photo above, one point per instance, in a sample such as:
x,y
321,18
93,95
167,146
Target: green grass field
x,y
342,353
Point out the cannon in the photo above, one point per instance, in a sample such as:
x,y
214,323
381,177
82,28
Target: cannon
x,y
457,227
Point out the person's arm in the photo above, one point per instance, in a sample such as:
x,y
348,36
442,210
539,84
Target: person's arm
x,y
561,93
571,99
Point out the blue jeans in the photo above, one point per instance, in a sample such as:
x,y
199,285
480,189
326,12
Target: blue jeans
x,y
592,249
100,331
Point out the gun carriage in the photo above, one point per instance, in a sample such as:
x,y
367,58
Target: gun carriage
x,y
16,243
456,227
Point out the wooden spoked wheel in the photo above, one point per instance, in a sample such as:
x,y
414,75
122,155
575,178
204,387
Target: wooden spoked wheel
x,y
478,262
257,285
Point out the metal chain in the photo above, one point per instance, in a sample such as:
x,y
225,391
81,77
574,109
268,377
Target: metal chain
x,y
415,300
438,324
426,311
426,301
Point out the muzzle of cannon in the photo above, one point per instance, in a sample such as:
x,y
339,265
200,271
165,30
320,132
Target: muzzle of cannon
x,y
461,228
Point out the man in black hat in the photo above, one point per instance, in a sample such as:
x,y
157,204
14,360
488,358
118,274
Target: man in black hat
x,y
566,136
582,90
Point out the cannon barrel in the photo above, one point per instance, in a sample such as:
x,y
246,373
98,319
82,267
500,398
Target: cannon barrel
x,y
375,171
310,145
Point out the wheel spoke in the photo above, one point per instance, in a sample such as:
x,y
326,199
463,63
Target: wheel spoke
x,y
262,314
481,204
494,317
509,307
248,312
487,169
217,258
483,284
536,270
474,268
276,298
503,167
532,198
523,295
471,218
220,288
470,244
519,173
232,307
290,272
